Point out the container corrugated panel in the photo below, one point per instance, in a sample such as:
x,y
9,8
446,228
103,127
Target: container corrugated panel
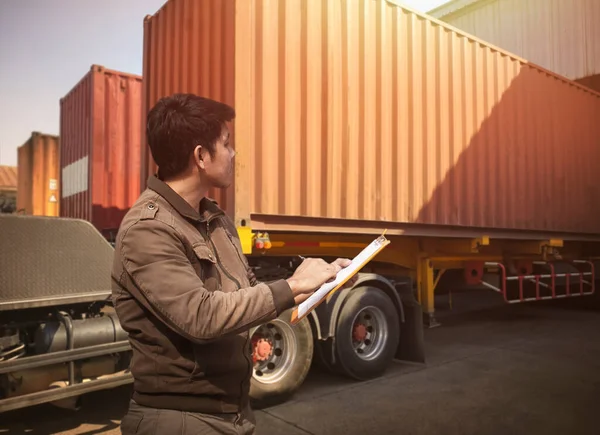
x,y
560,35
39,175
452,6
196,57
100,147
364,111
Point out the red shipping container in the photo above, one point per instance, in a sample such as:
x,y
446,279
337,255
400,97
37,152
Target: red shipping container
x,y
100,134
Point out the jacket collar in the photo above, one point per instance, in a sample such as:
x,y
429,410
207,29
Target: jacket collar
x,y
208,207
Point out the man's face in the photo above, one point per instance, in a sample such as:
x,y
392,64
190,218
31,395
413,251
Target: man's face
x,y
218,168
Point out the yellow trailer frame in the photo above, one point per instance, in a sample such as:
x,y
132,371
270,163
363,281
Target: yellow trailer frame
x,y
419,257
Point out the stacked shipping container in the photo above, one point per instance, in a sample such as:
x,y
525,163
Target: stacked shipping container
x,y
100,122
562,36
350,113
38,175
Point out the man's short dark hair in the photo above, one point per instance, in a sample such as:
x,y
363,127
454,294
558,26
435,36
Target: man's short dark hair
x,y
180,122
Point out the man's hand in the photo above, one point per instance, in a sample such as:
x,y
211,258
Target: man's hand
x,y
344,262
312,274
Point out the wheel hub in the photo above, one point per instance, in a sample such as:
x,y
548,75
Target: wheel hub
x,y
360,332
262,350
369,333
273,351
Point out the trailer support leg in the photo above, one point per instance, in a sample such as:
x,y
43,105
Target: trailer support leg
x,y
426,289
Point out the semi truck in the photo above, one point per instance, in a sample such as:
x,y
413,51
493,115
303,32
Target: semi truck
x,y
352,118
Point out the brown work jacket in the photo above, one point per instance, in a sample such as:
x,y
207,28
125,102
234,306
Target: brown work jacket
x,y
186,296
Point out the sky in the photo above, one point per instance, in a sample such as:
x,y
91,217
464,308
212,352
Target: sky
x,y
47,46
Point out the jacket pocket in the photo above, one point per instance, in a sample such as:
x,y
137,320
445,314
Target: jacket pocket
x,y
205,264
203,253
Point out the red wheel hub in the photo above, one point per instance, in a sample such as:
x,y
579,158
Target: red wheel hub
x,y
359,333
262,350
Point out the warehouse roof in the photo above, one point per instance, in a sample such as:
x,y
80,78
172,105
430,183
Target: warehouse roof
x,y
8,177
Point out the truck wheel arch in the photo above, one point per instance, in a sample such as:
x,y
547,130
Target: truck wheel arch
x,y
315,324
372,280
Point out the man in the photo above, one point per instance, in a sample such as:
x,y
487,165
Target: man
x,y
182,288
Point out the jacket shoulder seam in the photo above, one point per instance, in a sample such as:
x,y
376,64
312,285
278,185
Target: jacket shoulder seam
x,y
138,222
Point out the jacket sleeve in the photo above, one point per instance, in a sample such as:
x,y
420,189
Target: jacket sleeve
x,y
155,260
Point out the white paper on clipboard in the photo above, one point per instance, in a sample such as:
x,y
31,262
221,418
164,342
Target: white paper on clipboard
x,y
358,262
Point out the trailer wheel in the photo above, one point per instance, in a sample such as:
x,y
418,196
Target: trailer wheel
x,y
367,334
282,354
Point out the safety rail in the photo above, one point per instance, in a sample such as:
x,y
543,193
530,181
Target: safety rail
x,y
537,279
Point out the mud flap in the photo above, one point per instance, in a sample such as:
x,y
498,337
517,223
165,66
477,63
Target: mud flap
x,y
412,342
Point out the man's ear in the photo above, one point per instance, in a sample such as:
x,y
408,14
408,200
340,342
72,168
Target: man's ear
x,y
198,158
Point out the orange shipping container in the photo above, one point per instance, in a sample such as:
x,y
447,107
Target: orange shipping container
x,y
100,147
38,175
359,115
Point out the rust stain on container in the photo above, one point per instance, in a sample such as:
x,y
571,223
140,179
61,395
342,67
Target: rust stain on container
x,y
39,175
100,147
365,111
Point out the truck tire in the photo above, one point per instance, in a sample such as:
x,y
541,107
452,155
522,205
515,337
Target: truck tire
x,y
282,356
367,334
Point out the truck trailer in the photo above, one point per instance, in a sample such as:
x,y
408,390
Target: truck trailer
x,y
354,117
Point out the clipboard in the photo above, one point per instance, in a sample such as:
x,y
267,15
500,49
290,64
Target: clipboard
x,y
358,262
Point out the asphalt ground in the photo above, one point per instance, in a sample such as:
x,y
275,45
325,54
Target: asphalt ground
x,y
491,369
